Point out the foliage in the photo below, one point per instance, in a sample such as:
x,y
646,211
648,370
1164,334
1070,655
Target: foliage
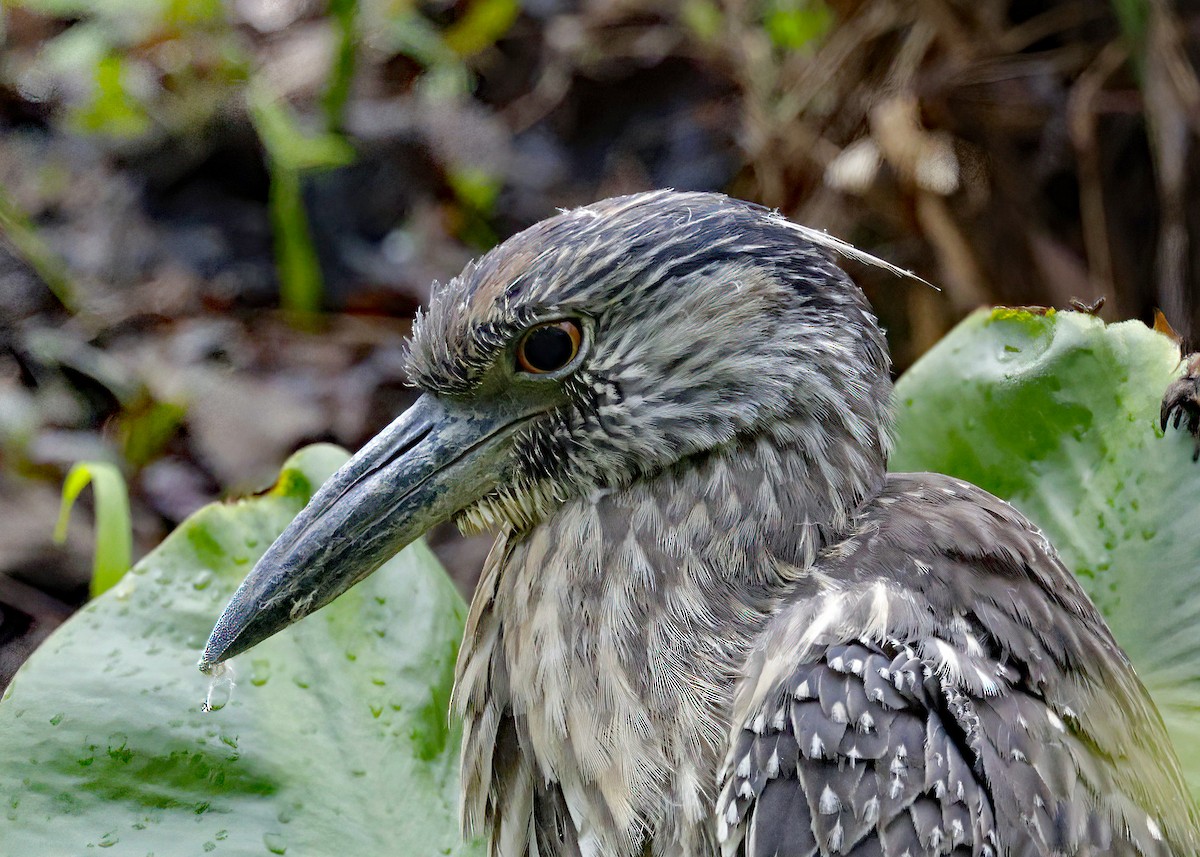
x,y
290,154
133,70
485,21
114,528
146,425
344,14
796,25
334,741
1057,413
16,228
128,68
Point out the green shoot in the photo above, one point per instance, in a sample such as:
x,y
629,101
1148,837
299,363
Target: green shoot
x,y
114,529
290,152
22,236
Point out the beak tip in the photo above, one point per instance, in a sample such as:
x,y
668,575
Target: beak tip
x,y
222,641
213,655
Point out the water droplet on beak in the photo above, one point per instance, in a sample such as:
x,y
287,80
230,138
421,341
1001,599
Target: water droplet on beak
x,y
220,687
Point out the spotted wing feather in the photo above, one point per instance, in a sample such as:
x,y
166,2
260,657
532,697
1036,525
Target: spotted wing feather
x,y
948,693
854,747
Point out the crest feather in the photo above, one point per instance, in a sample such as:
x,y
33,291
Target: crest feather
x,y
848,250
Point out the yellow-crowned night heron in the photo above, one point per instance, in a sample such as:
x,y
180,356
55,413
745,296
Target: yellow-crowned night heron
x,y
711,622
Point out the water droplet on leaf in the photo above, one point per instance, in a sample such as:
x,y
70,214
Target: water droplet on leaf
x,y
260,671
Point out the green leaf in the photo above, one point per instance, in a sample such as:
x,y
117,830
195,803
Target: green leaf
x,y
476,188
288,145
146,425
406,31
1058,413
82,8
114,530
477,191
1134,18
18,231
192,12
704,18
481,26
796,24
335,739
113,109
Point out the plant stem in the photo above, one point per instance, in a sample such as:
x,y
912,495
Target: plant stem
x,y
300,281
21,234
345,15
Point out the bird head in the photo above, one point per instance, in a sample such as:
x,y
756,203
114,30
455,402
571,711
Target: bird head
x,y
598,347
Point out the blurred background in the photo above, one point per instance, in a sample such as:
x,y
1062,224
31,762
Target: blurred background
x,y
217,218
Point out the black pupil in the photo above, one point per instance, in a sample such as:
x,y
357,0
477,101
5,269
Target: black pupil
x,y
549,348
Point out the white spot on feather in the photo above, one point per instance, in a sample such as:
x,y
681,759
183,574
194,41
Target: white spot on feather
x,y
877,621
829,802
871,810
835,838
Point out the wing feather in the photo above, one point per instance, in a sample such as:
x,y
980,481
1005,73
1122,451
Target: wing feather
x,y
950,692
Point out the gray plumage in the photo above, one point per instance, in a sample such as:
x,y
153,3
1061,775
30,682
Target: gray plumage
x,y
713,623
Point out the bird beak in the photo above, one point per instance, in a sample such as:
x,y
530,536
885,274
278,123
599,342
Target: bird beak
x,y
429,464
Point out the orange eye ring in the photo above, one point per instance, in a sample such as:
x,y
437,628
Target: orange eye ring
x,y
548,347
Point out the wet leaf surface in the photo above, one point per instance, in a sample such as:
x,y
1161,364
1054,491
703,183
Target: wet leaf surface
x,y
335,739
1058,413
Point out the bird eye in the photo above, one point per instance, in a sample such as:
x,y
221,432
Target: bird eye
x,y
549,347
